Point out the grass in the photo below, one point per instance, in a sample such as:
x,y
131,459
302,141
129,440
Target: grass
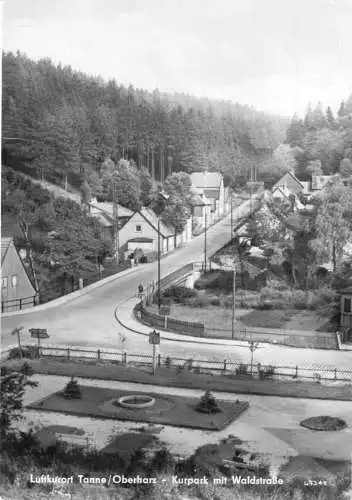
x,y
169,410
186,379
65,429
255,325
127,444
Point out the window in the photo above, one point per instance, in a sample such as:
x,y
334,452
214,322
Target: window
x,y
138,228
347,305
14,280
3,282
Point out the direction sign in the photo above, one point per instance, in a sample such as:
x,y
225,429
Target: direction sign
x,y
164,311
39,333
154,338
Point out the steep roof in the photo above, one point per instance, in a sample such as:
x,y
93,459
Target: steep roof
x,y
206,180
5,244
293,177
152,218
107,207
283,190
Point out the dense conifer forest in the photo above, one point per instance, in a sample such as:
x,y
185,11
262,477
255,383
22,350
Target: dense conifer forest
x,y
67,123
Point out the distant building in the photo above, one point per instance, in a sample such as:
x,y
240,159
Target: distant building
x,y
17,290
212,186
289,182
202,209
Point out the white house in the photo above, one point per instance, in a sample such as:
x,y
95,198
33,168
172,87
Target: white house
x,y
141,231
202,209
211,184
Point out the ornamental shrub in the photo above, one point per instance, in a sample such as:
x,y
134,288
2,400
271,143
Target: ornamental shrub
x,y
72,390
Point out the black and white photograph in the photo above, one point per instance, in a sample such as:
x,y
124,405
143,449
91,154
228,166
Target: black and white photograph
x,y
176,250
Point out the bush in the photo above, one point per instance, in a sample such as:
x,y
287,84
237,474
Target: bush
x,y
143,259
168,362
198,302
215,301
72,390
208,404
29,352
179,293
299,299
242,369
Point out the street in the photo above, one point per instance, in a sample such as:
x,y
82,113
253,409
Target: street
x,y
89,320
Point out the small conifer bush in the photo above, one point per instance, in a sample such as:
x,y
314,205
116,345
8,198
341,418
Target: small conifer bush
x,y
72,390
208,404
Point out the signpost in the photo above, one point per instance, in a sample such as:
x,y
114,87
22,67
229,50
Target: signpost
x,y
39,333
165,311
154,339
17,331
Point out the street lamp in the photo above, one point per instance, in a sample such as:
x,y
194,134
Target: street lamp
x,y
165,197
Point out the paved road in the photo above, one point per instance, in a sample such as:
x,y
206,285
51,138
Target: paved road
x,y
89,320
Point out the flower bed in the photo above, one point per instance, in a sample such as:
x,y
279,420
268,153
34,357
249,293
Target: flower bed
x,y
324,423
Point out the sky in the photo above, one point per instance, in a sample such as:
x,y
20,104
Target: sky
x,y
274,55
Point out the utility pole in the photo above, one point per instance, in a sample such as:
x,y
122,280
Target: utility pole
x,y
115,215
205,242
233,301
159,298
234,282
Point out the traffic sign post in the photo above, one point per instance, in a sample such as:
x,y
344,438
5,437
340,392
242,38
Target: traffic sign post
x,y
165,311
154,339
39,333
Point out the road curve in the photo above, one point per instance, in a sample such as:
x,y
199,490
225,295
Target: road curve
x,y
89,320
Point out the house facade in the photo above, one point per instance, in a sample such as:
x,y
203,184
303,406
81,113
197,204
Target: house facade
x,y
211,184
141,231
17,290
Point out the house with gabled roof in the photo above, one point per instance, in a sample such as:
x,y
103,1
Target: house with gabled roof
x,y
103,211
211,184
17,290
142,230
290,182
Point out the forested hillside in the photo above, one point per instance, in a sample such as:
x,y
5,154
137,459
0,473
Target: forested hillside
x,y
63,124
321,142
63,243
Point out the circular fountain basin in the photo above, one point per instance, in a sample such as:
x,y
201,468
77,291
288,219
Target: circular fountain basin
x,y
137,401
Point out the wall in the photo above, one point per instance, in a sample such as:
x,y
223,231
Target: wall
x,y
12,264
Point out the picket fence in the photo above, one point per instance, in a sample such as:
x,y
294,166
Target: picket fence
x,y
224,366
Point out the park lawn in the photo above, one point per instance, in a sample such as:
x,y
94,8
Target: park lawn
x,y
291,327
217,318
168,409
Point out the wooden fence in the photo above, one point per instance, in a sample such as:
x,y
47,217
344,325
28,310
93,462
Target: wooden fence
x,y
224,366
18,304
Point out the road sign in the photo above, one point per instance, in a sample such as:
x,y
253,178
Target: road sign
x,y
39,333
154,338
164,311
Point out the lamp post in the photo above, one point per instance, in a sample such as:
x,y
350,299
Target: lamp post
x,y
159,270
233,301
165,197
205,242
